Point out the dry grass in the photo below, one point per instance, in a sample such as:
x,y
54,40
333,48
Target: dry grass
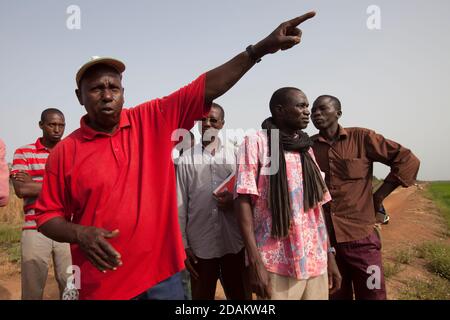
x,y
10,244
8,268
404,256
434,288
391,269
9,234
437,255
12,214
11,220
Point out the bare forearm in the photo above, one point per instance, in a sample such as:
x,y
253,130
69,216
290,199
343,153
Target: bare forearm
x,y
385,190
91,240
61,230
4,200
245,221
221,79
27,189
224,77
322,212
182,218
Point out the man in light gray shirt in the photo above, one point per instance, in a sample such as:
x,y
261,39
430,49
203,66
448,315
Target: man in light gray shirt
x,y
211,235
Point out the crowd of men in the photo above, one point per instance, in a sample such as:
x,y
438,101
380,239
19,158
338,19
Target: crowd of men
x,y
299,222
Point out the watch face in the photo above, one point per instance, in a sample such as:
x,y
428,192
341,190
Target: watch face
x,y
382,217
70,294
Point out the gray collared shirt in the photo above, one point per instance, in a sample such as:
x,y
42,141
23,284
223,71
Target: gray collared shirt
x,y
206,229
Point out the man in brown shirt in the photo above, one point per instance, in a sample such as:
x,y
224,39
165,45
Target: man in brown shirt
x,y
347,156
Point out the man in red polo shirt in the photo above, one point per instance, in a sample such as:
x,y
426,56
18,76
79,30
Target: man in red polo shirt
x,y
109,188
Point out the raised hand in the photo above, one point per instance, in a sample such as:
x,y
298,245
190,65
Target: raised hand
x,y
219,80
284,37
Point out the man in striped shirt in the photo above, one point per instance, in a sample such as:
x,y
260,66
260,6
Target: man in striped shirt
x,y
27,175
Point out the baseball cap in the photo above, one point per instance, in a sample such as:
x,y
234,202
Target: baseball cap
x,y
115,63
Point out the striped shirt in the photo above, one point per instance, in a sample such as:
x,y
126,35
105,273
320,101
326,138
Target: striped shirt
x,y
31,159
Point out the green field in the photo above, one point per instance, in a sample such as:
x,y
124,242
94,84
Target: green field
x,y
440,193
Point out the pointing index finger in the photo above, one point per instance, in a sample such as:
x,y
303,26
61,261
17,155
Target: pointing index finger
x,y
296,21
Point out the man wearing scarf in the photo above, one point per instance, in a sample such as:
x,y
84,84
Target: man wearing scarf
x,y
280,192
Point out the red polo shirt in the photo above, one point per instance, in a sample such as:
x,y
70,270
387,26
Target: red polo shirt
x,y
124,181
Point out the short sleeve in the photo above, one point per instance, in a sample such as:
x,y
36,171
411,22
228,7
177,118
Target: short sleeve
x,y
20,162
186,105
326,195
247,168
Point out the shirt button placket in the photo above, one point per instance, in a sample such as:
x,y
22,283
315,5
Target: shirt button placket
x,y
215,215
116,149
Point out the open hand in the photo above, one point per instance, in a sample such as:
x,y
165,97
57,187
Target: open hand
x,y
334,276
225,200
260,281
98,250
191,259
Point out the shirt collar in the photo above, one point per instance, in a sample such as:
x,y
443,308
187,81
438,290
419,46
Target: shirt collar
x,y
199,149
341,132
39,145
89,133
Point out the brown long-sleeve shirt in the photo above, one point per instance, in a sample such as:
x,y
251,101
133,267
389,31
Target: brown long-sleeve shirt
x,y
348,167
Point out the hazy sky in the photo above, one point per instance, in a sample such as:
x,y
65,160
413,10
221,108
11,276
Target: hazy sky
x,y
394,80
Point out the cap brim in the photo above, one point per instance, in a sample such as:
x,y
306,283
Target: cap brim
x,y
116,64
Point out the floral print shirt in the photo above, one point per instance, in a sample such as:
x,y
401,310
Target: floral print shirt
x,y
303,254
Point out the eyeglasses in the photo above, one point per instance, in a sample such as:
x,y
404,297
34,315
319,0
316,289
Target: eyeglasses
x,y
211,120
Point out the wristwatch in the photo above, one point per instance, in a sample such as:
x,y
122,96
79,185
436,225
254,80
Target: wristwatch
x,y
251,53
331,250
382,216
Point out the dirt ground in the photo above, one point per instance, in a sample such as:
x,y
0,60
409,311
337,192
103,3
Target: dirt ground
x,y
10,284
414,219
